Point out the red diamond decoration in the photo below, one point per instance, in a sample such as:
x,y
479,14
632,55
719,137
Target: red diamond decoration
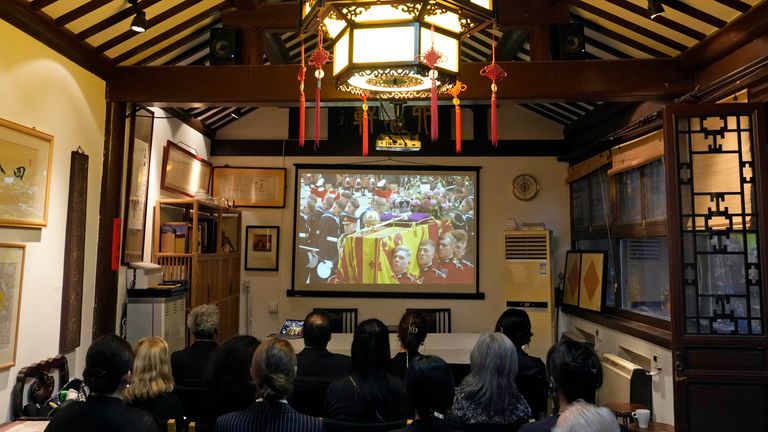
x,y
591,280
573,280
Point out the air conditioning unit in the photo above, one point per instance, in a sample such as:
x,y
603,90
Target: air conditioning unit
x,y
528,283
157,316
624,381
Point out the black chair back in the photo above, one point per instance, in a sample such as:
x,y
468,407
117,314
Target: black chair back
x,y
193,400
343,320
332,425
308,395
438,320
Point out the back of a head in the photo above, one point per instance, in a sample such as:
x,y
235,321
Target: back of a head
x,y
586,417
516,325
412,330
229,370
151,374
493,367
574,370
273,369
203,321
108,359
317,329
429,384
370,348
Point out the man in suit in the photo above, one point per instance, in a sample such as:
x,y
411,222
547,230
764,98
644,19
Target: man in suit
x,y
189,364
316,366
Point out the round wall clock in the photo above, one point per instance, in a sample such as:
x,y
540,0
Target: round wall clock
x,y
525,187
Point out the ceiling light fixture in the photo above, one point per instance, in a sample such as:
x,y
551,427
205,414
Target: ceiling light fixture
x,y
139,22
655,8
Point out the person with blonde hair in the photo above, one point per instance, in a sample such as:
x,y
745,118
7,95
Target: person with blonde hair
x,y
152,384
489,394
273,369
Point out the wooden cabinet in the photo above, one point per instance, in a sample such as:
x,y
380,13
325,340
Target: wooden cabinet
x,y
198,243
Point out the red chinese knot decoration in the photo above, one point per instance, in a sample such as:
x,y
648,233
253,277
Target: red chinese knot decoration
x,y
454,91
318,59
431,58
495,73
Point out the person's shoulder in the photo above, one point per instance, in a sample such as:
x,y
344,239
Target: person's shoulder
x,y
544,425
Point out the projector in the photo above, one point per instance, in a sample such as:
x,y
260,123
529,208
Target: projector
x,y
398,142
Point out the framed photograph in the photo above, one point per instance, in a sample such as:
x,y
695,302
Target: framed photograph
x,y
137,184
183,171
11,273
250,187
359,231
26,156
261,247
591,281
572,278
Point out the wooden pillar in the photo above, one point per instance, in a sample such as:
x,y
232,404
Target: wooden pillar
x,y
105,299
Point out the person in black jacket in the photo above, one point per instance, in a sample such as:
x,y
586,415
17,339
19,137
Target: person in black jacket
x,y
107,372
429,385
531,379
188,365
317,367
369,394
411,332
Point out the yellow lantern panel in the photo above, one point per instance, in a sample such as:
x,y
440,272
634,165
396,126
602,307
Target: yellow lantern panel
x,y
483,3
384,44
447,20
334,26
446,45
381,13
341,53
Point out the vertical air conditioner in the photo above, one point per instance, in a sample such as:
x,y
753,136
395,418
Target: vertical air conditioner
x,y
157,316
528,283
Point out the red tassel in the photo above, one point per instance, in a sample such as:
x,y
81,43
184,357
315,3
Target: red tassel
x,y
302,108
317,116
365,133
494,122
433,111
458,129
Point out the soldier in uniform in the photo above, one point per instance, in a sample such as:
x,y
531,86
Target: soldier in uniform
x,y
401,259
329,232
447,264
460,254
424,256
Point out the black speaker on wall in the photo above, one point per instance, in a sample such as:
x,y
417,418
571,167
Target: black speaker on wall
x,y
570,42
223,46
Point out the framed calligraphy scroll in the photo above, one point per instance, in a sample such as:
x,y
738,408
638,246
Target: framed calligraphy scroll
x,y
250,187
74,256
137,184
184,172
26,156
11,275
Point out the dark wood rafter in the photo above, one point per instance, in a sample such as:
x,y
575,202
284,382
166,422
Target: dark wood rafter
x,y
155,20
173,31
637,28
568,109
695,13
610,34
591,42
190,121
39,4
661,19
180,43
114,20
539,110
243,112
274,49
735,4
81,11
191,52
20,14
268,16
586,80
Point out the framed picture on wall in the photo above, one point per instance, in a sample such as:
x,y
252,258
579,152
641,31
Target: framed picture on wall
x,y
26,156
183,171
250,187
261,247
11,274
591,281
137,184
572,278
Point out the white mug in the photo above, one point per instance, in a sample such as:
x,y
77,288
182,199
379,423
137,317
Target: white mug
x,y
643,417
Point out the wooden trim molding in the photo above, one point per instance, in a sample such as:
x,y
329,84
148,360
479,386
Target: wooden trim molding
x,y
588,166
648,333
636,153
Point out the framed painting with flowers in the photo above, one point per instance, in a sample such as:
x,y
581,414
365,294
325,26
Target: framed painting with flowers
x,y
386,231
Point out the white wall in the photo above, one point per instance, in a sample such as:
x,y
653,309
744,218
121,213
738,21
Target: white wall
x,y
636,350
497,204
43,90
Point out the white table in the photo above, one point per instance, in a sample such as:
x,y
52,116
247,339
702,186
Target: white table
x,y
451,347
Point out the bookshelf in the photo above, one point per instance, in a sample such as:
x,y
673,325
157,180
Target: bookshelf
x,y
199,243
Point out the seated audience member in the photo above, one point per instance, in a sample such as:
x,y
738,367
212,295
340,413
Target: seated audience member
x,y
531,376
316,366
107,373
152,383
228,378
411,333
369,394
574,373
272,371
586,417
188,365
429,385
488,394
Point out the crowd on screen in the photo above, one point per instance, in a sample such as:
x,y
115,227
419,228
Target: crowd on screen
x,y
244,384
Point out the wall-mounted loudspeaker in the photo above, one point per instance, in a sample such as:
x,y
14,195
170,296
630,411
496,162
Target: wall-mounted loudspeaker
x,y
223,46
570,41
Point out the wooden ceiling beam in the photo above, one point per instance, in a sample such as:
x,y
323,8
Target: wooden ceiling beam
x,y
268,16
40,26
259,85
